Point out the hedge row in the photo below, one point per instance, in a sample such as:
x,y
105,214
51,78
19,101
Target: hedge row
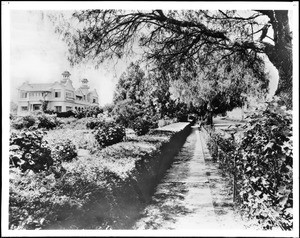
x,y
103,191
262,163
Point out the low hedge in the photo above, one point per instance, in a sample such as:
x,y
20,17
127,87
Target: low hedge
x,y
104,191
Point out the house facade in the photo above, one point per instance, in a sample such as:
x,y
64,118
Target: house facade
x,y
59,96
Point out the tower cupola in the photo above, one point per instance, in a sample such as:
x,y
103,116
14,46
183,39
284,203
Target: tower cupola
x,y
66,76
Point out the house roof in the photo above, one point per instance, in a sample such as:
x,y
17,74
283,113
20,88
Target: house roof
x,y
39,87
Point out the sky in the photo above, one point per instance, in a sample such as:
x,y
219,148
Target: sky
x,y
39,56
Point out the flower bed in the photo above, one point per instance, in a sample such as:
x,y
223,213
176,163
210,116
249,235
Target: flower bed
x,y
101,191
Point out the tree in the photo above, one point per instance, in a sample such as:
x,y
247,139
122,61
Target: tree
x,y
222,87
177,39
131,84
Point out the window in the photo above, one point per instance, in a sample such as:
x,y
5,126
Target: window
x,y
36,107
70,95
58,108
24,108
57,94
68,108
23,95
94,100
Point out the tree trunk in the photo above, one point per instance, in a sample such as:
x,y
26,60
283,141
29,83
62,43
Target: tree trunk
x,y
280,55
209,118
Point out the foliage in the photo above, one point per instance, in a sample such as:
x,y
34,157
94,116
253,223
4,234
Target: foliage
x,y
45,105
223,150
131,84
21,122
41,200
94,123
91,111
223,86
81,139
127,111
109,134
29,151
28,121
69,195
64,150
264,166
47,121
142,126
177,40
65,114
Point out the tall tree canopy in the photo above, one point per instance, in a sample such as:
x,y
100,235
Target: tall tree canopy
x,y
180,39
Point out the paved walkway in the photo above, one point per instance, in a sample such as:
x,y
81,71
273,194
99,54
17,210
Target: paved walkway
x,y
193,194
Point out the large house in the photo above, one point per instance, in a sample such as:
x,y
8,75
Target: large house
x,y
58,96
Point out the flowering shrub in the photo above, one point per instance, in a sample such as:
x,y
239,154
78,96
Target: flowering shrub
x,y
71,194
109,134
28,121
94,123
29,151
141,126
47,121
23,121
17,123
64,150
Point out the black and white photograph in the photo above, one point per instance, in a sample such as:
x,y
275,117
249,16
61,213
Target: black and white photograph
x,y
168,118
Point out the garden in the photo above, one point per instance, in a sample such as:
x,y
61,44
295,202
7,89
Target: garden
x,y
87,169
61,168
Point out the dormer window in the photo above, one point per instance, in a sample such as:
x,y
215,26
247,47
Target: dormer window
x,y
57,94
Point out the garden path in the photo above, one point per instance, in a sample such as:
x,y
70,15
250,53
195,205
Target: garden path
x,y
193,194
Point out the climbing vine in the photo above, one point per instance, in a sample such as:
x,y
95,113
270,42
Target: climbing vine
x,y
263,166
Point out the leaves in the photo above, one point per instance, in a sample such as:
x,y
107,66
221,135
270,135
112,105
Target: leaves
x,y
264,166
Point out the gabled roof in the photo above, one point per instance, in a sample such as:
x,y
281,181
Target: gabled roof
x,y
79,92
94,93
37,87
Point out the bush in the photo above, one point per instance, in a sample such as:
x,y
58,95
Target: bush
x,y
29,151
66,114
94,123
41,200
266,168
127,111
109,134
47,121
23,122
91,111
17,123
141,126
28,121
263,166
88,193
64,150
